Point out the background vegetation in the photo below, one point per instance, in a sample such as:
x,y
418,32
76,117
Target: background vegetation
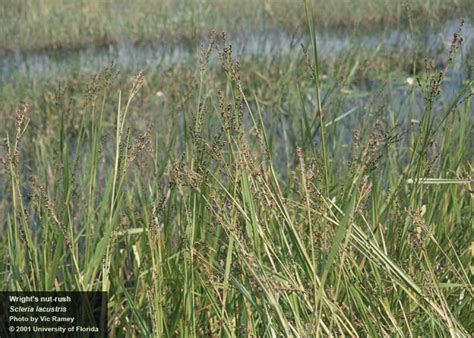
x,y
44,24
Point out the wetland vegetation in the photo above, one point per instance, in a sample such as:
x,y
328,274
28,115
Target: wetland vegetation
x,y
306,173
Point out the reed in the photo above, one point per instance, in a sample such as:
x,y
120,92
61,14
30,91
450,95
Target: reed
x,y
214,202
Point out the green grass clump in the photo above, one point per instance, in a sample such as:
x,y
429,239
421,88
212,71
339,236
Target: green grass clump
x,y
211,202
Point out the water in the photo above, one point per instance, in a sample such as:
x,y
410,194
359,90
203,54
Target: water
x,y
434,42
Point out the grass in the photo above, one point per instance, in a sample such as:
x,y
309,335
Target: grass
x,y
253,198
34,25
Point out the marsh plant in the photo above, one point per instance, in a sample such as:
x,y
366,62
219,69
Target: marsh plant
x,y
211,221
